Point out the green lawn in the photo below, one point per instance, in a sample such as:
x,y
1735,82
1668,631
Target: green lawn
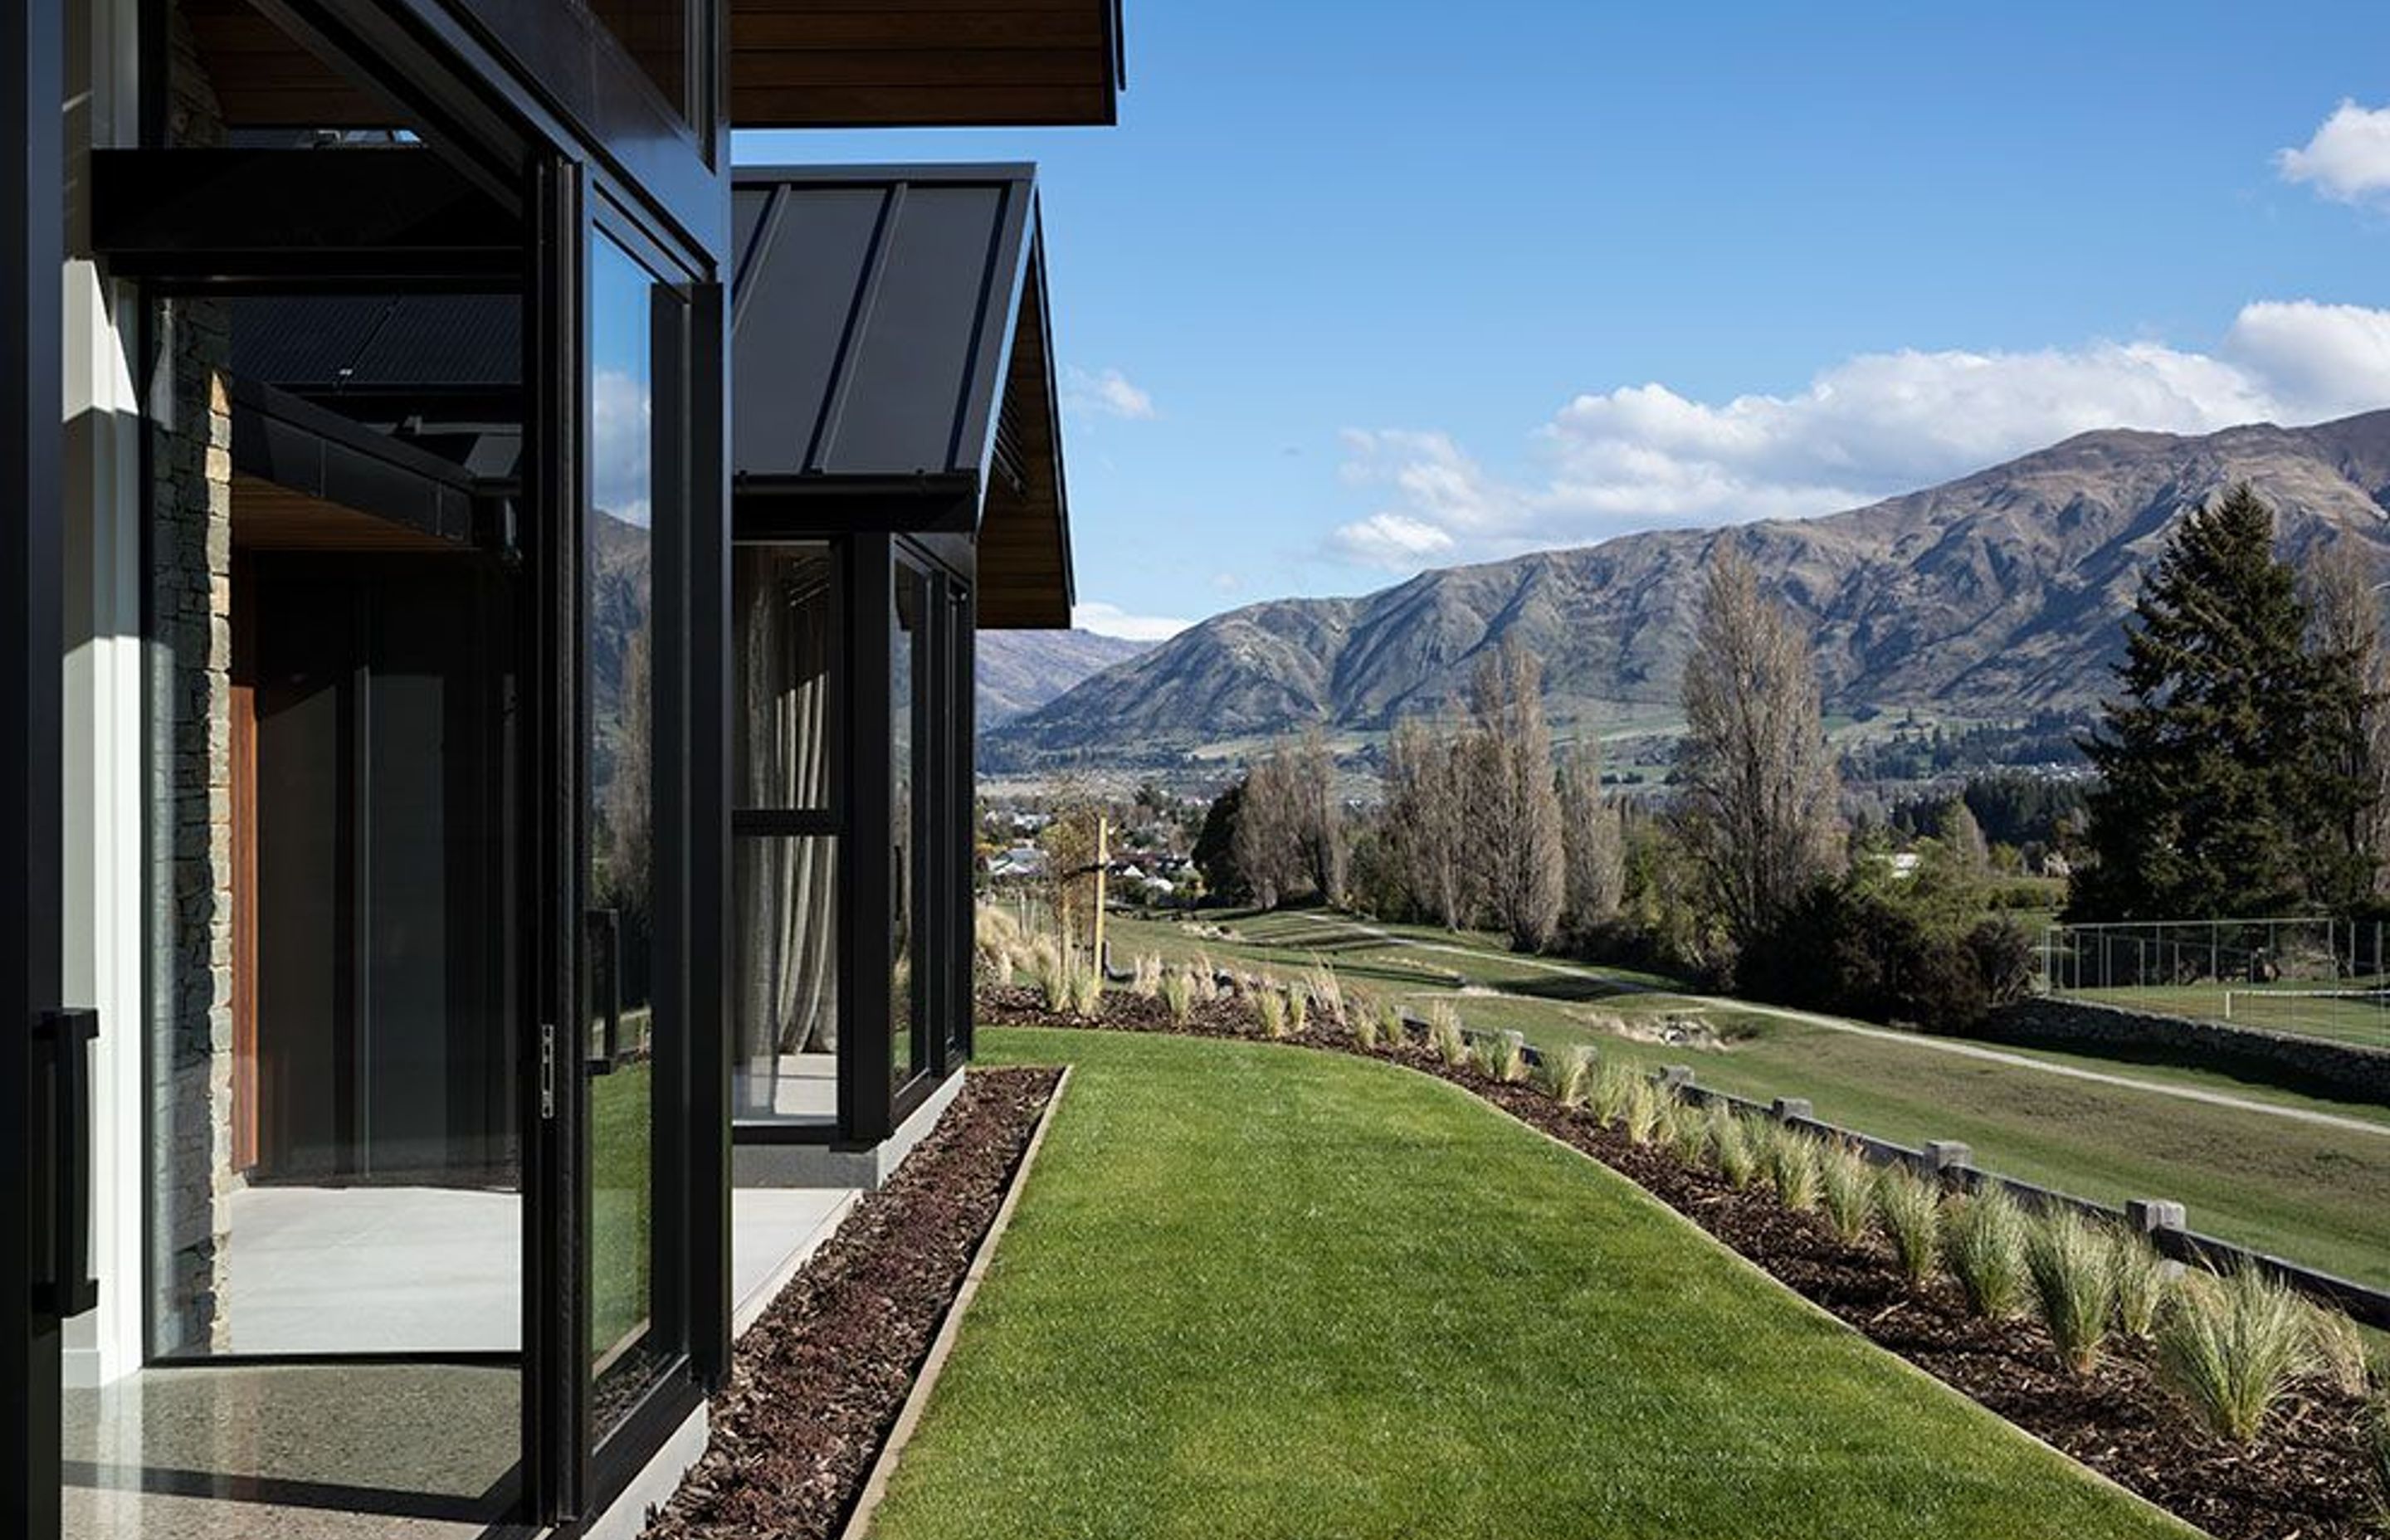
x,y
621,1202
2293,1009
1261,1291
2316,1194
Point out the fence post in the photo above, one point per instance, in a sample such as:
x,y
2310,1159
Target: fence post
x,y
1676,1077
1940,1157
1786,1108
2149,1215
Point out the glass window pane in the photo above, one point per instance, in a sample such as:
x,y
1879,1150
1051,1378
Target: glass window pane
x,y
655,33
905,805
781,607
785,970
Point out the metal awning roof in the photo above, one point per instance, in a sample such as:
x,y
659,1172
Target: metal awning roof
x,y
890,345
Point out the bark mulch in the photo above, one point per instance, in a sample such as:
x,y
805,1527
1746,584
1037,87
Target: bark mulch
x,y
817,1383
2306,1477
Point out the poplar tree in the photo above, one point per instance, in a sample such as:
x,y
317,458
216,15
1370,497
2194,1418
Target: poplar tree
x,y
2224,790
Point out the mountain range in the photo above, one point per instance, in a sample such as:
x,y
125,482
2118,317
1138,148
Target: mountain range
x,y
1995,596
1019,671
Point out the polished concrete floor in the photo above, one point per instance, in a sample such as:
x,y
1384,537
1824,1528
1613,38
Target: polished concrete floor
x,y
358,1450
403,1451
374,1270
793,1087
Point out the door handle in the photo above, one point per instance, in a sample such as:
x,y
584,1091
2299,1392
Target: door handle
x,y
64,1284
605,935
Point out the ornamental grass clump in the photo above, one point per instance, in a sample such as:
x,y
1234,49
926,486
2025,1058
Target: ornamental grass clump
x,y
1269,1007
1393,1031
1501,1055
1564,1072
1365,1026
2374,1438
1444,1035
1054,979
1685,1131
1847,1188
2071,1264
1087,991
1640,1117
2336,1351
1145,980
1327,990
1614,1086
2143,1280
1177,994
1911,1208
2230,1347
1298,1009
1207,979
1985,1240
1792,1160
1732,1145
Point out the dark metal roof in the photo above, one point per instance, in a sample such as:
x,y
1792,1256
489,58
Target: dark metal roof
x,y
889,334
325,344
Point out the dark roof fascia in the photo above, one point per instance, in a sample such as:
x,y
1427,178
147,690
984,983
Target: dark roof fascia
x,y
788,508
279,438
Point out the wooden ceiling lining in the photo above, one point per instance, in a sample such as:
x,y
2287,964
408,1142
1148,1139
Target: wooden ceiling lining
x,y
850,63
266,517
264,79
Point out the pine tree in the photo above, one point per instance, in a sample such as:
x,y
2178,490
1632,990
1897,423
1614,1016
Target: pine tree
x,y
2223,792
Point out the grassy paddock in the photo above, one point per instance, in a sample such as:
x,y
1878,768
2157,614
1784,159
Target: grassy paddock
x,y
2316,1194
1261,1291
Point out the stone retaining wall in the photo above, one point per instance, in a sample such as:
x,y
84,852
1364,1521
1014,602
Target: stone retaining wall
x,y
2051,1021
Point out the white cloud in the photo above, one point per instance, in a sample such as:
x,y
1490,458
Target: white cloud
x,y
1109,393
619,435
1110,620
2348,158
1871,425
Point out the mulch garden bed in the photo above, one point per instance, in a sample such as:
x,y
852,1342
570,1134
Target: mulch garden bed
x,y
817,1383
2306,1477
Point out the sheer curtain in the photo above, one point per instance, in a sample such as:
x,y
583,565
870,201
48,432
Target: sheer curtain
x,y
787,988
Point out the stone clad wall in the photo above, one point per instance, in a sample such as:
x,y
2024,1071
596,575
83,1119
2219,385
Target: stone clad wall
x,y
2050,1021
190,790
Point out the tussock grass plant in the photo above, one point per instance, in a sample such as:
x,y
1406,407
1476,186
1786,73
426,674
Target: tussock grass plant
x,y
1177,994
1054,981
1985,1240
1364,1028
1910,1206
1207,978
1686,1131
1298,1009
1791,1160
1614,1086
2143,1280
1269,1009
1085,987
1501,1055
2336,1351
1731,1144
1444,1034
1640,1117
1145,978
1327,990
1847,1188
996,965
1564,1072
1393,1029
2374,1438
2071,1264
2230,1347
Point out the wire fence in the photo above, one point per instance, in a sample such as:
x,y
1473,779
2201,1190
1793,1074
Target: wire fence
x,y
2322,977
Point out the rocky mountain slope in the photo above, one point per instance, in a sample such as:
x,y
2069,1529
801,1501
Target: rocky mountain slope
x,y
1019,671
1998,594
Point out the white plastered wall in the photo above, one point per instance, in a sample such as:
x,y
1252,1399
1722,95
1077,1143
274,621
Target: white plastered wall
x,y
101,817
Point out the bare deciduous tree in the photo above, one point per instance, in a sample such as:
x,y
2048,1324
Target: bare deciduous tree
x,y
1426,822
1593,842
1759,788
1289,827
2346,622
1321,831
1518,826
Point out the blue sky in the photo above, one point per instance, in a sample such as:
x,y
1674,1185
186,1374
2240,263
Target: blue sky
x,y
1355,290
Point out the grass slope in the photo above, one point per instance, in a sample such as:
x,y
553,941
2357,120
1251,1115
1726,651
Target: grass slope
x,y
1261,1291
2317,1194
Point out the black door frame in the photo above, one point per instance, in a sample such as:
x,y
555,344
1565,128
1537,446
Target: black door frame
x,y
32,61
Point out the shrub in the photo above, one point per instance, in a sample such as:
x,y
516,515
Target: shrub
x,y
1500,1056
1737,1153
1177,991
1269,1007
1791,1158
1145,980
1640,1116
1686,1131
2230,1347
1444,1034
1985,1245
2336,1351
2071,1264
1910,1206
2143,1278
1563,1074
1846,1185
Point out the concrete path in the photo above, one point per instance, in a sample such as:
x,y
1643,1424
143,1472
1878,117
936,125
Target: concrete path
x,y
1859,1028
